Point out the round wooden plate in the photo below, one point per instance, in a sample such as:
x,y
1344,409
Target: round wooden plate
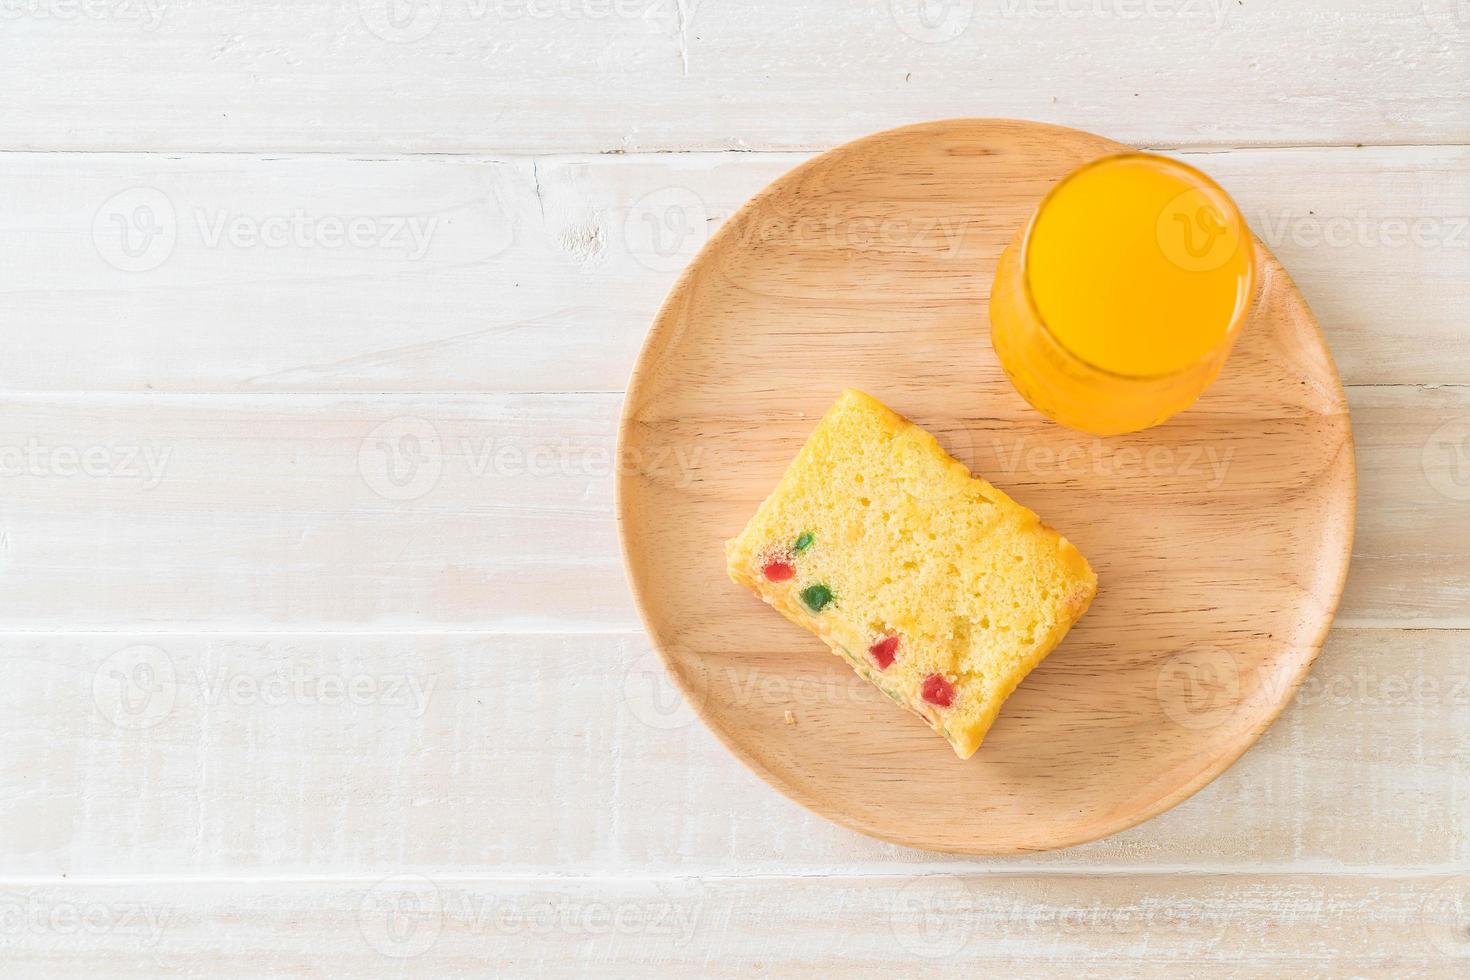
x,y
1221,539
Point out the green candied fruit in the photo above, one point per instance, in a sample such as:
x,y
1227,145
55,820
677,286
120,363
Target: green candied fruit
x,y
816,597
804,541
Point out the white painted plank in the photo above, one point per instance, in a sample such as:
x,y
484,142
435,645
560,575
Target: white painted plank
x,y
1229,926
317,512
488,512
596,75
1378,241
470,276
290,770
243,754
310,274
1413,450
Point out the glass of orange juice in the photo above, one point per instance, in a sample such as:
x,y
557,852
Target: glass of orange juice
x,y
1118,303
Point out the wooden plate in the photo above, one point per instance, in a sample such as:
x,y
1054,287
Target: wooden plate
x,y
1220,539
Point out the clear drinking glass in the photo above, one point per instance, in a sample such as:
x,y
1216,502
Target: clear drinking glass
x,y
1117,304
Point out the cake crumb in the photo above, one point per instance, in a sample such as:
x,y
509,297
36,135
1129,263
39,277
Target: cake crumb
x,y
790,717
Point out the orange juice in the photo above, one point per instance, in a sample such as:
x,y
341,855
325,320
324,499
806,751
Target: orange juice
x,y
1117,305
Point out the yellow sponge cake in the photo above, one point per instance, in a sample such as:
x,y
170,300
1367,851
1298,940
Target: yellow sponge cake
x,y
933,584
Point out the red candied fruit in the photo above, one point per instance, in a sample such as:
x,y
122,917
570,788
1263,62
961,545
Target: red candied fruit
x,y
884,650
779,571
938,691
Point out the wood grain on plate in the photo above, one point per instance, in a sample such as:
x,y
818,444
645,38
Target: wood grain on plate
x,y
1221,539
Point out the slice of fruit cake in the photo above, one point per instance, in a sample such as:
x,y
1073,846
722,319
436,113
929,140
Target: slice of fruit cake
x,y
935,586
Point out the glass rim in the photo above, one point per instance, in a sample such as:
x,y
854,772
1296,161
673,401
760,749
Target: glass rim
x,y
1194,176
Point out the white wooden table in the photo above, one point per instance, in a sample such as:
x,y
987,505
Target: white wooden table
x,y
319,658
